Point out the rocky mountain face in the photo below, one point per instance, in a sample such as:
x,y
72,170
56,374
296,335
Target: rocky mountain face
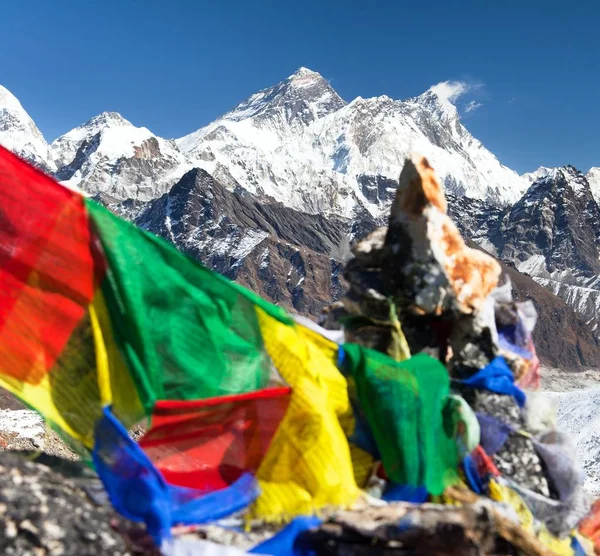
x,y
557,220
553,235
274,192
477,220
289,257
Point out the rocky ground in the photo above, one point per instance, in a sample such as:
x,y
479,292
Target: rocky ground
x,y
43,512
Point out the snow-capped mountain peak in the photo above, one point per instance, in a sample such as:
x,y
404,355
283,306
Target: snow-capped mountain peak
x,y
305,73
580,184
299,143
542,171
64,149
19,133
110,156
107,119
9,101
305,78
564,179
438,104
300,99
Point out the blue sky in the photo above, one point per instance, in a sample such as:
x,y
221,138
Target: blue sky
x,y
533,67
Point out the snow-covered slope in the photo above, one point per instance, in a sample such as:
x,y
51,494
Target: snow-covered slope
x,y
579,415
264,146
19,134
300,144
111,157
593,177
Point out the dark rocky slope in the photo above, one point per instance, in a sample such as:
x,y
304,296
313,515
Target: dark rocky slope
x,y
291,258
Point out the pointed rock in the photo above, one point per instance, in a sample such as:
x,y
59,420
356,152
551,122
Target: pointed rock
x,y
430,269
554,226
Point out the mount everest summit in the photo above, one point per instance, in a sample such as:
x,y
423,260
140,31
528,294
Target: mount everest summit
x,y
274,192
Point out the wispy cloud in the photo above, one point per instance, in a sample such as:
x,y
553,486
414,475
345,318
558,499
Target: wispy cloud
x,y
472,105
450,90
512,99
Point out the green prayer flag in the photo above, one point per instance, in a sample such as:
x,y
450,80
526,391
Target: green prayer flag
x,y
185,332
403,403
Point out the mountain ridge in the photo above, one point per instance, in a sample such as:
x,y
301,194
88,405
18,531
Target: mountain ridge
x,y
290,143
343,147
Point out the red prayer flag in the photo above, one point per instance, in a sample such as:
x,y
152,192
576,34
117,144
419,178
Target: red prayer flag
x,y
207,444
48,269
